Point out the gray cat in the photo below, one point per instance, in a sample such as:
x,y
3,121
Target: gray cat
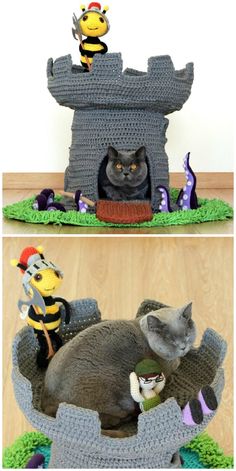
x,y
92,370
125,176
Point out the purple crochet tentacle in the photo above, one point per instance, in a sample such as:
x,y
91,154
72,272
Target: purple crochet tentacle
x,y
82,207
165,200
187,198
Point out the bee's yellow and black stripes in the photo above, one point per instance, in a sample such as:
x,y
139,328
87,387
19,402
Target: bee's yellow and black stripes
x,y
51,320
91,46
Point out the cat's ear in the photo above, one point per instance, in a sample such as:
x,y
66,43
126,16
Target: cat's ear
x,y
186,311
141,154
154,323
112,153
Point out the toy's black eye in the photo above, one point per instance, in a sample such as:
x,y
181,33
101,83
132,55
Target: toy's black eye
x,y
85,17
57,274
38,277
101,19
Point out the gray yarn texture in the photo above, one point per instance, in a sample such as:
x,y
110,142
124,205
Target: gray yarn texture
x,y
76,432
122,109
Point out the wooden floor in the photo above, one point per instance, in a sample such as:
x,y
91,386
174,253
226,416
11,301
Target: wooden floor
x,y
120,273
17,227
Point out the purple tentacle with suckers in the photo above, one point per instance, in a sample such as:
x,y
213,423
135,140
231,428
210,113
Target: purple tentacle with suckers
x,y
165,200
82,207
187,198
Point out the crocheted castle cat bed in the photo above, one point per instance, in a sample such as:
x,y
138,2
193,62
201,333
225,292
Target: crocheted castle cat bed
x,y
117,154
126,110
33,450
76,432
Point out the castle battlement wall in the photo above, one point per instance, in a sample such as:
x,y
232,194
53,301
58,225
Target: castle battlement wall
x,y
161,88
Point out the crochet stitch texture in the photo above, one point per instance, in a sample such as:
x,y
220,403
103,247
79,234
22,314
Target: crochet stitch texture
x,y
76,432
201,452
123,109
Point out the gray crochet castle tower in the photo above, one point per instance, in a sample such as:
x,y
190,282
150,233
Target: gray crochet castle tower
x,y
156,438
122,109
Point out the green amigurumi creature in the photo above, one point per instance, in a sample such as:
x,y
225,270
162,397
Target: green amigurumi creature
x,y
146,382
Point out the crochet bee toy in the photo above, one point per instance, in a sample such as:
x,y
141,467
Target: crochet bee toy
x,y
93,23
40,280
146,382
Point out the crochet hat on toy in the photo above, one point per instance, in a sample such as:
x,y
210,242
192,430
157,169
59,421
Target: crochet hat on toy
x,y
147,368
31,262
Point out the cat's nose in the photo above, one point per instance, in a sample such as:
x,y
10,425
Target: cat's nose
x,y
126,174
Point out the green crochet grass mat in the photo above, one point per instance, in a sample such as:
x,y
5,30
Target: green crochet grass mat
x,y
202,452
210,210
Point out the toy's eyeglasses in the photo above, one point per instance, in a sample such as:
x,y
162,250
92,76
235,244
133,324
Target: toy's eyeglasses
x,y
156,378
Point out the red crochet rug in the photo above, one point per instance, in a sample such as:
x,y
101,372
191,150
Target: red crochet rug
x,y
124,213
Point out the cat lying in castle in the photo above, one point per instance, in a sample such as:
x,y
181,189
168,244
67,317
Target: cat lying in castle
x,y
125,176
92,370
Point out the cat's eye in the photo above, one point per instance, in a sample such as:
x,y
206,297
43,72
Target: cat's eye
x,y
118,166
133,167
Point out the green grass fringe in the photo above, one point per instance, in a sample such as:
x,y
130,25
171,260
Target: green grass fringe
x,y
18,455
210,453
210,210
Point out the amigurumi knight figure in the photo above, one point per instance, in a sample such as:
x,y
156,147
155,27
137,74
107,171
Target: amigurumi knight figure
x,y
93,23
40,279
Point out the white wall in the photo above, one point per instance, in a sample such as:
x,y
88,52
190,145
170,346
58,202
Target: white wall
x,y
36,129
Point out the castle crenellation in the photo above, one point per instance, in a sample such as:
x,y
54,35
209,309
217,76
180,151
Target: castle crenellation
x,y
161,88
